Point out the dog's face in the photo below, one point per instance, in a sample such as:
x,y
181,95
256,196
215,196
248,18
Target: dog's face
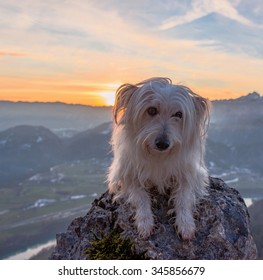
x,y
160,117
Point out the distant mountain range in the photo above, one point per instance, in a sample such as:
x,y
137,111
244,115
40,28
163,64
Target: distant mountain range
x,y
236,130
36,141
63,119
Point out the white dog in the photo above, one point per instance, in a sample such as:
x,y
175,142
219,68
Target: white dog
x,y
158,142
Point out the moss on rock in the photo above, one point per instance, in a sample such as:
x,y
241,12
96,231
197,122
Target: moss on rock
x,y
112,247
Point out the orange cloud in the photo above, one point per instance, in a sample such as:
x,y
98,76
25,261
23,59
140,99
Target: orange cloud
x,y
16,54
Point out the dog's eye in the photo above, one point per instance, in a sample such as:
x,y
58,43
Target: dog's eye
x,y
178,114
152,111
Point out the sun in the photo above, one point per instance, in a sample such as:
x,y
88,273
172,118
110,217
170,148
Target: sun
x,y
108,96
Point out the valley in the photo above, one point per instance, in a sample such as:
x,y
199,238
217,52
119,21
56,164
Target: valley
x,y
41,208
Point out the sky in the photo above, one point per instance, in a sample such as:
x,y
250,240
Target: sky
x,y
81,51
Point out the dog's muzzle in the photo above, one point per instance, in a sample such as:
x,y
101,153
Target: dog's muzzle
x,y
162,143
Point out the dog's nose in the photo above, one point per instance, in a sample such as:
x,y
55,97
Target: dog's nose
x,y
162,143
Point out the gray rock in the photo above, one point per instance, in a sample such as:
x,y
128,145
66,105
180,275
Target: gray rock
x,y
222,229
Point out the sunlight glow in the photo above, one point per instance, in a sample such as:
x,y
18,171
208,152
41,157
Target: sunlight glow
x,y
109,97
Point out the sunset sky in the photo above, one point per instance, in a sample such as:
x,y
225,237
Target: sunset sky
x,y
80,51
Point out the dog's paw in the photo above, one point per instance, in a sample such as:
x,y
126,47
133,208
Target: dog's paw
x,y
186,231
145,226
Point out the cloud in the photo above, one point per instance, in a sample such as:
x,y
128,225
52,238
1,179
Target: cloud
x,y
15,54
89,44
202,8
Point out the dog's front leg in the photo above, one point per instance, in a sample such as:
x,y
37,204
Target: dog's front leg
x,y
184,204
141,201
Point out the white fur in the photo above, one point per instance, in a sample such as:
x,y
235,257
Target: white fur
x,y
139,164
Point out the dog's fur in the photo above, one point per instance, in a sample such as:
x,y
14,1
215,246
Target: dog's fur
x,y
158,141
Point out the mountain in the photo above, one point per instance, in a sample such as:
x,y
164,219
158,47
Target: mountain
x,y
236,130
241,111
90,143
63,119
253,96
25,150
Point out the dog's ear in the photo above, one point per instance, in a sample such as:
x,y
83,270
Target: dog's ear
x,y
122,99
202,106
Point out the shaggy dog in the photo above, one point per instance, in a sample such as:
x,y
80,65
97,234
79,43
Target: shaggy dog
x,y
158,142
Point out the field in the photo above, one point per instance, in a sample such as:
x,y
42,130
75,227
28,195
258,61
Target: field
x,y
45,204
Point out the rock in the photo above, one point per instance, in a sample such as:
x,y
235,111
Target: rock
x,y
107,231
255,211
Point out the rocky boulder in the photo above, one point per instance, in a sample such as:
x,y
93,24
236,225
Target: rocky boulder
x,y
107,231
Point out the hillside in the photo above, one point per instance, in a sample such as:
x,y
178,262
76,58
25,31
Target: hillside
x,y
26,150
90,143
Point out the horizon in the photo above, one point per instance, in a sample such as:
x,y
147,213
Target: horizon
x,y
111,105
80,52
